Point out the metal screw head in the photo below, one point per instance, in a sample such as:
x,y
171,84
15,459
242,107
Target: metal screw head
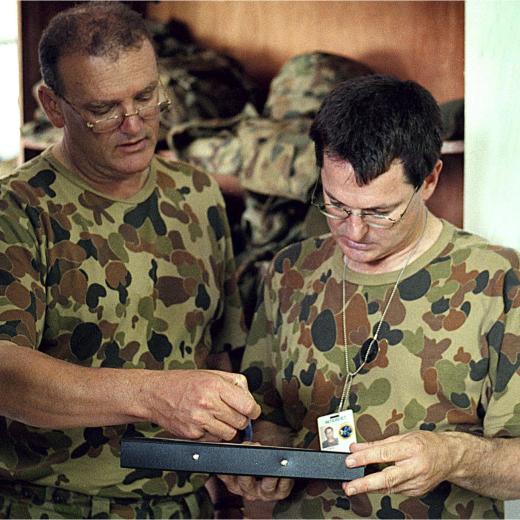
x,y
195,456
284,462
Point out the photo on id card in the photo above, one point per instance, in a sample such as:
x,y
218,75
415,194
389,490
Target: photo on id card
x,y
337,431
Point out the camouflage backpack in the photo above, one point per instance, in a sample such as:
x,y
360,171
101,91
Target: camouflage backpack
x,y
272,154
210,144
304,81
204,84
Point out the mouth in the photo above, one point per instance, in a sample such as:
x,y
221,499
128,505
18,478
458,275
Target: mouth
x,y
136,145
351,244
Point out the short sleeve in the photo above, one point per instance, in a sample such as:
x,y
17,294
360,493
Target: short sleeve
x,y
22,293
502,417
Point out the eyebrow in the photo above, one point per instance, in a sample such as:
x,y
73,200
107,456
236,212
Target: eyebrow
x,y
93,105
373,208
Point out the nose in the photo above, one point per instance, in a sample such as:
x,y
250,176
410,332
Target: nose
x,y
354,227
132,123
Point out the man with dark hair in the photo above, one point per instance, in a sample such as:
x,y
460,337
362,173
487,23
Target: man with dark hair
x,y
396,319
330,439
117,290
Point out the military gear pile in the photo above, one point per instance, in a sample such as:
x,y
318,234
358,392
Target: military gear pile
x,y
304,81
272,155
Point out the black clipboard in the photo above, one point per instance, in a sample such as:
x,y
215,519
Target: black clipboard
x,y
235,459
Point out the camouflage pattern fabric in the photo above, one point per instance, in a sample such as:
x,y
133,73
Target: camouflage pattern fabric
x,y
304,81
31,501
272,153
274,158
210,144
204,84
278,157
448,360
146,282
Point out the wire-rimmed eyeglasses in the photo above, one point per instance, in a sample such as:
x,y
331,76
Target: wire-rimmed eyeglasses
x,y
113,122
370,218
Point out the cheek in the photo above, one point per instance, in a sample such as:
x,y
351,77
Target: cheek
x,y
103,144
335,226
154,133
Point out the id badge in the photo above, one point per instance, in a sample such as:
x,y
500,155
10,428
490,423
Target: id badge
x,y
337,431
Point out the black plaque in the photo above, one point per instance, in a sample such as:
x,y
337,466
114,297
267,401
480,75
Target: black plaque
x,y
235,459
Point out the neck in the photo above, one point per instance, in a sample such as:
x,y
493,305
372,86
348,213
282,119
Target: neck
x,y
119,187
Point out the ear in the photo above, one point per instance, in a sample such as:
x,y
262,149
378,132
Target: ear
x,y
51,105
430,182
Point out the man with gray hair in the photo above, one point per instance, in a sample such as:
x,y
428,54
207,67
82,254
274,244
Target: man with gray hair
x,y
117,290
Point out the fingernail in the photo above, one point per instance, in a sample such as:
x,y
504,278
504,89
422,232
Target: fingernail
x,y
351,491
350,462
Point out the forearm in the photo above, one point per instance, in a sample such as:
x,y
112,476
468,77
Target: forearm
x,y
486,466
42,391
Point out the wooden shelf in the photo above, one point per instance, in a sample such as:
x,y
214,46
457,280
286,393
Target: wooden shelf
x,y
452,147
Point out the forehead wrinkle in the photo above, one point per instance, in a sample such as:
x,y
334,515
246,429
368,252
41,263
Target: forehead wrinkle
x,y
100,75
99,102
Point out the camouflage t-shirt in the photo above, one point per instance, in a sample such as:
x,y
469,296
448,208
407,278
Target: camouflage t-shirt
x,y
146,282
448,360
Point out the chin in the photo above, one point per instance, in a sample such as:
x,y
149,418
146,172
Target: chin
x,y
134,164
362,257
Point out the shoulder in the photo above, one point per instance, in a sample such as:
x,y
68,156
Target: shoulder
x,y
478,252
185,177
305,256
30,183
26,172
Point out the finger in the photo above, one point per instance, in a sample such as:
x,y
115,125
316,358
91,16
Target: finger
x,y
268,485
241,381
235,379
207,437
231,482
240,399
248,487
285,485
359,446
242,485
218,431
388,481
276,488
227,479
379,453
231,417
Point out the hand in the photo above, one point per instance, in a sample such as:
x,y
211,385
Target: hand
x,y
206,405
265,489
421,461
